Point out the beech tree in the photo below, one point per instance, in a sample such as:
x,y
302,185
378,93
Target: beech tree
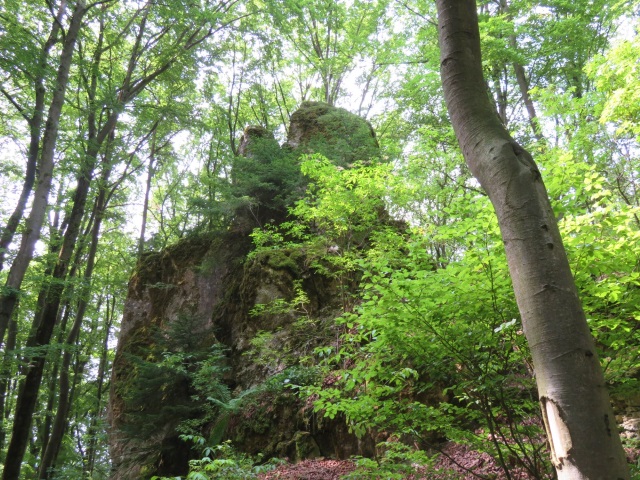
x,y
9,297
115,106
33,115
172,45
578,418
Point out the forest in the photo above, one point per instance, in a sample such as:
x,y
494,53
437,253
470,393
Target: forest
x,y
241,235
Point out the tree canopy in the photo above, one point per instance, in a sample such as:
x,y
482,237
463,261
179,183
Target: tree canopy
x,y
121,136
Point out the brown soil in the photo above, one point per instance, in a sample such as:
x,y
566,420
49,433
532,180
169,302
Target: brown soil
x,y
457,462
311,470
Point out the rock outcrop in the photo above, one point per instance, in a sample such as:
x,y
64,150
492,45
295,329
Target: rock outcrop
x,y
334,132
203,293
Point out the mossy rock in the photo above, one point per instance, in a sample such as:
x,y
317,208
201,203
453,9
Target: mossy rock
x,y
154,268
306,446
259,143
209,278
281,259
336,133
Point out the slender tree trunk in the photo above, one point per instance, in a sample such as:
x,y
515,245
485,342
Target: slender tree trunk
x,y
30,174
52,388
575,405
500,96
46,318
523,84
147,192
54,442
9,297
35,124
52,447
7,369
89,464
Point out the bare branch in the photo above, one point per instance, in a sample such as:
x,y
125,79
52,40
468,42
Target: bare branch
x,y
15,103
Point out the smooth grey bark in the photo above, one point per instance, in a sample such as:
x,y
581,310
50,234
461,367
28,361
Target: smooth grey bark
x,y
580,425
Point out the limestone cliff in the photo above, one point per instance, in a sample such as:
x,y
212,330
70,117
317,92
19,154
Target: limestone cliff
x,y
202,293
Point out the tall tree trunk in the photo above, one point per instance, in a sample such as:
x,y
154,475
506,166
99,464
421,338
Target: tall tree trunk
x,y
9,297
90,458
500,96
147,192
54,442
575,405
35,124
30,174
523,84
52,388
45,319
6,374
521,78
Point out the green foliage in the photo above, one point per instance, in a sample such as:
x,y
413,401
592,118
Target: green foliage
x,y
266,180
616,76
348,201
227,463
398,461
294,377
341,215
634,466
293,343
328,40
603,247
599,223
427,353
298,305
223,461
430,346
177,386
432,353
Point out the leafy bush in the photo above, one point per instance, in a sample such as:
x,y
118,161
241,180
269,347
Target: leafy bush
x,y
176,386
398,462
222,461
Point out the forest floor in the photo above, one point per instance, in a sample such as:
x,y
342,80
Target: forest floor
x,y
457,462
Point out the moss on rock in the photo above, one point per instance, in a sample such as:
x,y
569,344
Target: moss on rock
x,y
210,278
336,133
